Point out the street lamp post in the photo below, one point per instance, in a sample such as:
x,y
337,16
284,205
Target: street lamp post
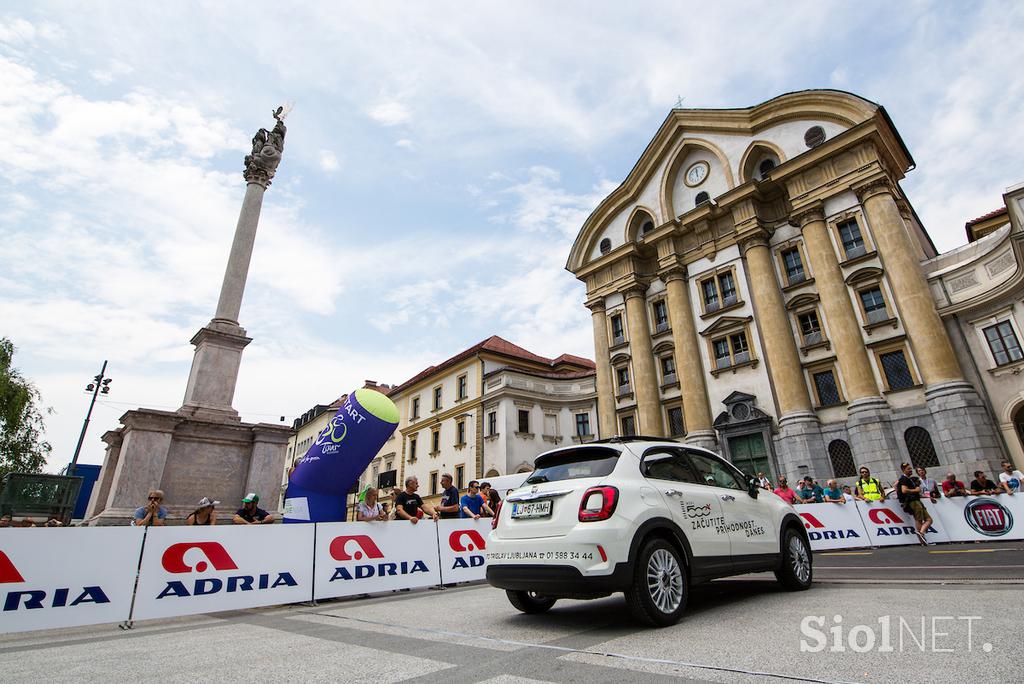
x,y
99,385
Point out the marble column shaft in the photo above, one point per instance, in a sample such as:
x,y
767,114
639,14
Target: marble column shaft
x,y
230,302
645,380
605,399
844,329
689,365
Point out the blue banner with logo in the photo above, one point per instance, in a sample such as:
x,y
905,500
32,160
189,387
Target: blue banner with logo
x,y
318,486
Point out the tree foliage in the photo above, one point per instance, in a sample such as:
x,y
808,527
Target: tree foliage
x,y
22,447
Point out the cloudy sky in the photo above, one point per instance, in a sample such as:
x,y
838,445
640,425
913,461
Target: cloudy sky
x,y
439,161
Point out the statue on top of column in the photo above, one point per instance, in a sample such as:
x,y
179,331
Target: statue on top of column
x,y
267,146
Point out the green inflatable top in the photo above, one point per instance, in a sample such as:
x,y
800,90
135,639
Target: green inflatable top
x,y
377,404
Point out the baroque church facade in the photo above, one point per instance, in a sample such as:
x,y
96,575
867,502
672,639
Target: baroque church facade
x,y
756,287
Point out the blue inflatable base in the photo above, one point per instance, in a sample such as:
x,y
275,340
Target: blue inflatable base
x,y
322,507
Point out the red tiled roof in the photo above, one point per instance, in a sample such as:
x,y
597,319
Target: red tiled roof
x,y
985,217
495,345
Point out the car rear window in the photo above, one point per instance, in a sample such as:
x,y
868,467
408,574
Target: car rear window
x,y
572,464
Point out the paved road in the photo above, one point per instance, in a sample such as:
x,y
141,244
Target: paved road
x,y
471,634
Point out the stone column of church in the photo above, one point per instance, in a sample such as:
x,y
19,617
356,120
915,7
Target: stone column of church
x,y
689,365
964,427
869,418
645,380
799,440
605,400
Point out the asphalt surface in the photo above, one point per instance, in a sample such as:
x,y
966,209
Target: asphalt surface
x,y
737,630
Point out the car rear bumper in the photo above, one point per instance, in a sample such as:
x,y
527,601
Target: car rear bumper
x,y
557,580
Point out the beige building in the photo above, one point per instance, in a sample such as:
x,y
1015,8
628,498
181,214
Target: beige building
x,y
488,411
756,286
979,290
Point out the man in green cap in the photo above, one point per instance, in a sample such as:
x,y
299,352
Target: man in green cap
x,y
250,513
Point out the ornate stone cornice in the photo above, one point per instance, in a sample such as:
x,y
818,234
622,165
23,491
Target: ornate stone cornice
x,y
809,214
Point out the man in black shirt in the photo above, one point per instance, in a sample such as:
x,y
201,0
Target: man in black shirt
x,y
909,494
250,513
982,485
449,506
408,504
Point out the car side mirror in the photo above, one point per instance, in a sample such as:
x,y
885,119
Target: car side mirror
x,y
753,487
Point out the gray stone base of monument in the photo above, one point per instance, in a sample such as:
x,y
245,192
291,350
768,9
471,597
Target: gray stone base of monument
x,y
871,437
188,459
799,447
705,439
211,382
965,431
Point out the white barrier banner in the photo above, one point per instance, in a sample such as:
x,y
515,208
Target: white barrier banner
x,y
888,525
833,526
462,545
984,518
366,557
66,577
188,570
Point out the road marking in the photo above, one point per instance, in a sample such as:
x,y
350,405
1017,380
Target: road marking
x,y
915,567
967,551
849,553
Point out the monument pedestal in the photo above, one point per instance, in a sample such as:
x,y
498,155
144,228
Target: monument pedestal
x,y
188,458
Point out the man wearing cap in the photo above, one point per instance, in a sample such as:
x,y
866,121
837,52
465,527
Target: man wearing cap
x,y
205,514
250,513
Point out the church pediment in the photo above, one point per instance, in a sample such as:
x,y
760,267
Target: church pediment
x,y
726,324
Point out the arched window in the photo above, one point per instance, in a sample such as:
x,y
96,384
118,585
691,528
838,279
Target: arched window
x,y
701,198
765,167
922,451
842,459
606,246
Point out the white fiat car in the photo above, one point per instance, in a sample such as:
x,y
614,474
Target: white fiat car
x,y
643,516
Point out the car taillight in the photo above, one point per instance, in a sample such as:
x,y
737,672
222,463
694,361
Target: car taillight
x,y
598,503
497,512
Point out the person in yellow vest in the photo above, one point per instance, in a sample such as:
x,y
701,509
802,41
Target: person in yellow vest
x,y
868,488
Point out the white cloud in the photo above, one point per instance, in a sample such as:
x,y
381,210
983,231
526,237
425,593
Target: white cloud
x,y
389,113
328,161
405,143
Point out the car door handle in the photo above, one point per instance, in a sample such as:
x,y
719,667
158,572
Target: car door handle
x,y
673,492
727,497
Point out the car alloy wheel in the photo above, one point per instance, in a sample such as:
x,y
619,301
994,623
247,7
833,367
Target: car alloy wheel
x,y
665,581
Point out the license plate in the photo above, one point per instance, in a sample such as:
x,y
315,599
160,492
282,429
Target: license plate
x,y
532,509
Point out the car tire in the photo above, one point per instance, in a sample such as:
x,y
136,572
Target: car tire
x,y
659,590
530,602
797,569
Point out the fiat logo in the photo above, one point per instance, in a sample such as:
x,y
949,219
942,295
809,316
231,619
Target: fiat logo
x,y
988,517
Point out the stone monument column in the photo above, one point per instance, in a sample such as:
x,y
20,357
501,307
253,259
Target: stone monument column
x,y
211,382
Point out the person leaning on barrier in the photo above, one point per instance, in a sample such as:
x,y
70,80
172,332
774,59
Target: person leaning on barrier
x,y
408,504
1011,480
763,482
909,494
204,514
485,494
473,505
449,506
929,487
952,486
250,513
784,492
847,493
6,520
811,492
868,488
982,485
152,514
833,494
369,510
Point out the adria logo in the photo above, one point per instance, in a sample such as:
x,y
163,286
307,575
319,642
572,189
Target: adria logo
x,y
8,573
459,538
173,559
361,545
883,516
810,522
